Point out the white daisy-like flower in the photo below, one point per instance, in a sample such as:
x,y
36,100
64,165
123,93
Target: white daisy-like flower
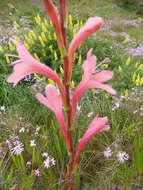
x,y
45,154
53,161
107,153
122,156
22,130
47,163
32,143
37,172
18,149
90,114
16,142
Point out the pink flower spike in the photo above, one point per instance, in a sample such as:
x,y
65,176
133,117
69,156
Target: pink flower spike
x,y
29,65
54,102
98,125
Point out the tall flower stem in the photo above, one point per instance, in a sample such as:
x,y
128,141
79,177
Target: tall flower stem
x,y
70,175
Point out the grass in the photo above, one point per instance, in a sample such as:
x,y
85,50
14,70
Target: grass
x,y
124,111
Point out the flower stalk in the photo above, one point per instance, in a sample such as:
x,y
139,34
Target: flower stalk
x,y
92,79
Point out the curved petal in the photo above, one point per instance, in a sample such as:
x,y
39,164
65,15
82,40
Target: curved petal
x,y
29,65
89,64
102,76
97,125
91,25
54,102
94,84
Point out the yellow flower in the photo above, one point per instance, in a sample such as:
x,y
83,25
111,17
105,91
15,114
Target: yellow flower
x,y
120,69
141,81
49,36
1,49
11,47
106,96
43,37
105,66
7,59
51,48
51,81
81,24
79,60
41,41
27,39
136,65
55,37
17,38
44,29
36,56
126,39
37,77
55,55
26,45
16,23
50,22
70,21
74,56
39,19
128,61
46,22
44,53
33,34
72,84
138,80
140,67
134,77
61,70
74,31
30,36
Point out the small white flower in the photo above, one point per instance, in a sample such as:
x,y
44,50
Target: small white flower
x,y
2,108
18,149
90,114
47,163
135,111
20,118
37,172
107,153
45,154
53,161
22,130
28,163
37,129
32,143
122,156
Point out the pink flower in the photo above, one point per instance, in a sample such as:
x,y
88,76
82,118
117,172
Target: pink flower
x,y
98,125
54,102
91,79
91,25
28,65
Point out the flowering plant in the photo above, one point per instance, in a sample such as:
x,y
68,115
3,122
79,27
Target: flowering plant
x,y
91,79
